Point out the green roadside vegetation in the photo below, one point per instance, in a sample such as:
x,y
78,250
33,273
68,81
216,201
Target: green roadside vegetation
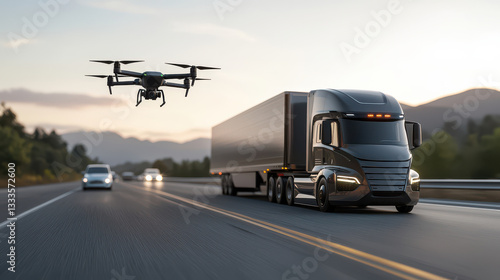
x,y
39,157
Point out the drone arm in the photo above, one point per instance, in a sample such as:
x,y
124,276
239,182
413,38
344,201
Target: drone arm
x,y
176,76
174,85
129,73
124,83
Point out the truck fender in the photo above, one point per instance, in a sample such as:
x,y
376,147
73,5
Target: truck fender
x,y
329,175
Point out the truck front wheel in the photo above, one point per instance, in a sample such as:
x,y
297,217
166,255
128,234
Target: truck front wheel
x,y
322,196
404,208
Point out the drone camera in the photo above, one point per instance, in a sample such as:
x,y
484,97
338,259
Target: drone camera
x,y
151,94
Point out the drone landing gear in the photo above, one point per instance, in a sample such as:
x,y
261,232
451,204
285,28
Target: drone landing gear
x,y
140,93
163,96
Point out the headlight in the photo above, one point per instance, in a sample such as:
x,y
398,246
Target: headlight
x,y
85,180
159,178
107,180
149,178
347,183
414,179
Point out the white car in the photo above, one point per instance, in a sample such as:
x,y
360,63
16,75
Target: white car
x,y
97,176
151,174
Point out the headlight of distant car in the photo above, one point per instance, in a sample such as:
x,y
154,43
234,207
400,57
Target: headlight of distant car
x,y
107,180
85,180
159,178
149,178
414,180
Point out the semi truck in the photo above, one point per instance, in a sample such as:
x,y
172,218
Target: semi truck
x,y
334,147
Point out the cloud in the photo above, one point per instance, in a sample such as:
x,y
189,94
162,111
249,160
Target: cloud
x,y
121,7
214,30
57,100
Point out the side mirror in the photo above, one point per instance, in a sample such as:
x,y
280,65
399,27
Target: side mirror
x,y
326,133
414,134
417,135
83,172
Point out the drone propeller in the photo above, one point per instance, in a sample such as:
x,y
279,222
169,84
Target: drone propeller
x,y
103,76
193,69
190,66
119,61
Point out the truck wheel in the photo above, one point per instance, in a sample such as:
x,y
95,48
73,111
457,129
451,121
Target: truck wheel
x,y
404,208
231,190
280,190
290,191
322,197
271,194
223,184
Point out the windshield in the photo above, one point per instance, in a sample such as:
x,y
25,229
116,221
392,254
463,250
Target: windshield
x,y
97,170
374,132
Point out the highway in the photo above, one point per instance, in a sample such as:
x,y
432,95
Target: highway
x,y
167,230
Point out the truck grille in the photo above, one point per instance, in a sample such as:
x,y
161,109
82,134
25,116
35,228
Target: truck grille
x,y
386,176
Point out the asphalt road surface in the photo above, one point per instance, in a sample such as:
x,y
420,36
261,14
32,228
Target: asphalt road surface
x,y
190,231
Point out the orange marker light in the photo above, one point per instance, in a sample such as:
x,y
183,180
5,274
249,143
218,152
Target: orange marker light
x,y
379,115
387,116
370,115
220,173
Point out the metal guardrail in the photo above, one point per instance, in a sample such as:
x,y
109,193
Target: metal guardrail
x,y
460,184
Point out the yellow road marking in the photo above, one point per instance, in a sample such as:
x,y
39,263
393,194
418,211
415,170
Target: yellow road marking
x,y
391,267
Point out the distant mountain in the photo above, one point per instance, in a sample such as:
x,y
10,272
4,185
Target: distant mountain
x,y
114,149
457,109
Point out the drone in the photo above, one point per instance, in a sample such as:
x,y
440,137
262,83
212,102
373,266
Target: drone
x,y
151,80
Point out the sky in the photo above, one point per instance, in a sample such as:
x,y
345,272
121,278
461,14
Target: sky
x,y
416,51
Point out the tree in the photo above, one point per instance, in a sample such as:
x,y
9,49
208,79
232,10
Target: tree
x,y
161,166
9,119
488,157
14,149
440,155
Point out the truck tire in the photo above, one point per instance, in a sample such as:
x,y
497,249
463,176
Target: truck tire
x,y
280,190
290,191
404,208
271,193
231,190
322,196
223,184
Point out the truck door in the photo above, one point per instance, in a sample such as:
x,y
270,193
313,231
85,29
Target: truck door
x,y
326,139
317,145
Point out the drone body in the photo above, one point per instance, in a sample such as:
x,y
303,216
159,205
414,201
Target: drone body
x,y
151,81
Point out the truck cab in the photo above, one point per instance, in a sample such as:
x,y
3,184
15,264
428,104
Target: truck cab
x,y
358,144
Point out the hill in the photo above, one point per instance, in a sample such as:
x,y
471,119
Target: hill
x,y
114,149
458,108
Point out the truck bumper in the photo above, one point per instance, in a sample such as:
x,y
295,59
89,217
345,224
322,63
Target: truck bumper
x,y
364,196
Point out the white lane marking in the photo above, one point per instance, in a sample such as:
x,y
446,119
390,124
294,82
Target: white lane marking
x,y
26,213
460,206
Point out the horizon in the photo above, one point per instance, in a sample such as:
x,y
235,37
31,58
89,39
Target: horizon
x,y
383,45
30,129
